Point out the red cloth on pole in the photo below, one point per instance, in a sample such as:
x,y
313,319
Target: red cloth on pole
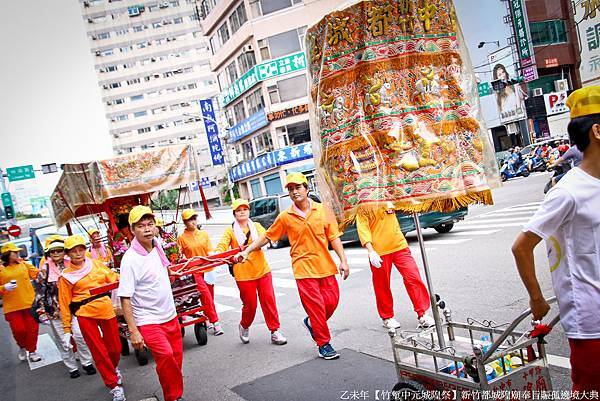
x,y
417,291
105,347
264,288
165,343
24,328
319,297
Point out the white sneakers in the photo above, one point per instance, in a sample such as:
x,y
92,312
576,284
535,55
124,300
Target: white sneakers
x,y
33,357
391,323
217,329
244,335
277,338
118,394
22,354
426,322
119,377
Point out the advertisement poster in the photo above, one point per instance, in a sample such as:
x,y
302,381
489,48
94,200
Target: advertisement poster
x,y
509,98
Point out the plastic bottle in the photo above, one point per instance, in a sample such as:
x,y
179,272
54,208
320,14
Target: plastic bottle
x,y
486,343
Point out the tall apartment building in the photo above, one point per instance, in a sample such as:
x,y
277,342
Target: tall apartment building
x,y
153,67
258,55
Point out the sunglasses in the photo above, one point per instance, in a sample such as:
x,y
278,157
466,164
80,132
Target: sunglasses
x,y
56,251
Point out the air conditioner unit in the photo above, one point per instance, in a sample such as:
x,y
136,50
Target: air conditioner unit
x,y
538,92
561,85
248,48
512,128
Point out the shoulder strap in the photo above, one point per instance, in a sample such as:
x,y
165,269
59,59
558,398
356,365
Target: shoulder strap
x,y
247,235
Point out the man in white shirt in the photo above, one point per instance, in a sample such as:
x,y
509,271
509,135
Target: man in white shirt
x,y
147,302
569,221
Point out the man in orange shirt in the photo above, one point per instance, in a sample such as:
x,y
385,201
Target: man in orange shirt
x,y
193,242
94,313
253,276
310,227
380,233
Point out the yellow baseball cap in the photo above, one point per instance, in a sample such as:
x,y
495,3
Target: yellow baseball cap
x,y
92,231
9,247
53,238
188,214
55,245
584,101
159,222
137,212
239,202
73,241
295,178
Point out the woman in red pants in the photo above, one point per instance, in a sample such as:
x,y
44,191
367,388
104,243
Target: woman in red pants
x,y
94,312
18,294
253,276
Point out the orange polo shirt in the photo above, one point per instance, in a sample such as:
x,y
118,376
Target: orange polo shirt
x,y
309,238
382,230
255,266
22,296
194,243
101,308
106,260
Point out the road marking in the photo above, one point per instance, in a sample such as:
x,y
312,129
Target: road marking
x,y
46,348
233,292
483,225
222,308
469,232
285,270
522,208
446,241
492,220
504,213
357,261
355,251
284,282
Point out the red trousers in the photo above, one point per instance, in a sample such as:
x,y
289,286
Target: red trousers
x,y
417,292
207,297
165,343
585,364
105,347
319,297
24,328
264,288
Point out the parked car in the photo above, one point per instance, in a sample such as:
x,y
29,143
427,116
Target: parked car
x,y
264,210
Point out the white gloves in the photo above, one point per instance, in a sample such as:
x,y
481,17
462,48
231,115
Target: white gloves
x,y
375,259
67,341
10,286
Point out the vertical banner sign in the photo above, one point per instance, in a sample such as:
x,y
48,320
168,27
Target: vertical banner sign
x,y
587,17
212,131
525,50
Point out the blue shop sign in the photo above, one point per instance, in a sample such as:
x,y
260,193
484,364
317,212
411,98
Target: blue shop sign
x,y
270,160
254,122
212,131
292,154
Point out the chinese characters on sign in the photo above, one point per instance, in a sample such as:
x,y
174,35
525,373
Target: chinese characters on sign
x,y
260,72
525,50
556,103
589,32
20,173
271,160
212,131
248,126
293,111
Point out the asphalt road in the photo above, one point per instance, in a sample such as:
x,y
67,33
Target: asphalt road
x,y
472,269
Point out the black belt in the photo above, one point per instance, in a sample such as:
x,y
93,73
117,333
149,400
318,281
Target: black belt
x,y
74,306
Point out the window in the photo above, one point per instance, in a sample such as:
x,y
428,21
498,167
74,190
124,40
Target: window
x,y
125,49
140,113
288,89
133,81
273,184
298,133
175,106
239,111
223,32
263,47
111,68
247,150
136,98
104,35
174,3
118,101
138,28
158,127
214,43
238,18
143,45
122,32
548,32
270,6
256,190
129,65
178,123
231,71
100,18
246,61
284,43
187,70
192,86
230,117
107,52
122,117
273,94
263,142
159,110
143,130
178,20
114,85
194,17
255,102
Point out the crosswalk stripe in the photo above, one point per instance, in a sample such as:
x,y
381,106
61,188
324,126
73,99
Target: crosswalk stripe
x,y
46,348
357,261
505,213
520,208
520,220
483,225
233,292
222,308
473,232
492,220
355,251
446,241
284,282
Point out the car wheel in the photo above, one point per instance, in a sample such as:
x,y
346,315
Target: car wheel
x,y
444,228
277,244
526,173
503,177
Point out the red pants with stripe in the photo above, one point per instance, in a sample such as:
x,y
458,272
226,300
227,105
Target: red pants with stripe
x,y
264,288
24,328
319,297
105,347
417,291
585,364
165,343
207,297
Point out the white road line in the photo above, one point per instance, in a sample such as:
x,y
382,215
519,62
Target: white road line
x,y
494,221
468,232
491,219
233,292
222,308
357,261
519,208
46,348
355,251
504,213
284,282
482,225
446,241
286,270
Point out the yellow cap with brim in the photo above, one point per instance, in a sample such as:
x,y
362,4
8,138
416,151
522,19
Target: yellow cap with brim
x,y
295,178
9,247
158,221
584,101
239,202
138,212
93,231
188,214
55,245
53,238
73,241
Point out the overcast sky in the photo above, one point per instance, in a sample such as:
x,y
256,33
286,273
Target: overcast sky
x,y
50,104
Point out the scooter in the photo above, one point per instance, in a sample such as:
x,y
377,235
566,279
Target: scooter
x,y
558,171
536,163
507,170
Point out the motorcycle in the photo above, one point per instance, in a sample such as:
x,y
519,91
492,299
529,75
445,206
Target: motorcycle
x,y
558,172
508,170
535,163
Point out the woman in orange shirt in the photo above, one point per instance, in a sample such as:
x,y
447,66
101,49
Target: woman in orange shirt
x,y
98,250
193,242
18,295
94,313
253,275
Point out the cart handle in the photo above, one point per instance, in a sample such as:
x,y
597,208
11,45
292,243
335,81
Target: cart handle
x,y
512,326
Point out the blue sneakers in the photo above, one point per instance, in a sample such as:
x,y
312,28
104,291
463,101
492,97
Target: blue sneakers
x,y
309,328
327,352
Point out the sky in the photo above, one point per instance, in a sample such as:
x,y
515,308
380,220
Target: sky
x,y
50,103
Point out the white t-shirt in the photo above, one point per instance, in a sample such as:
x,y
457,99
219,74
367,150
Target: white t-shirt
x,y
146,282
569,220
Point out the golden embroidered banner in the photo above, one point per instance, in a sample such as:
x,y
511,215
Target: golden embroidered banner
x,y
394,109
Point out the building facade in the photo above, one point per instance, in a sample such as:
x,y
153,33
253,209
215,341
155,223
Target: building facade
x,y
152,62
258,56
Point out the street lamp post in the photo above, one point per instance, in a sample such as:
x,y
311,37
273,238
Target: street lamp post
x,y
481,44
225,154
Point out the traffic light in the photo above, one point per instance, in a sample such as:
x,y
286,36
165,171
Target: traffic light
x,y
9,211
